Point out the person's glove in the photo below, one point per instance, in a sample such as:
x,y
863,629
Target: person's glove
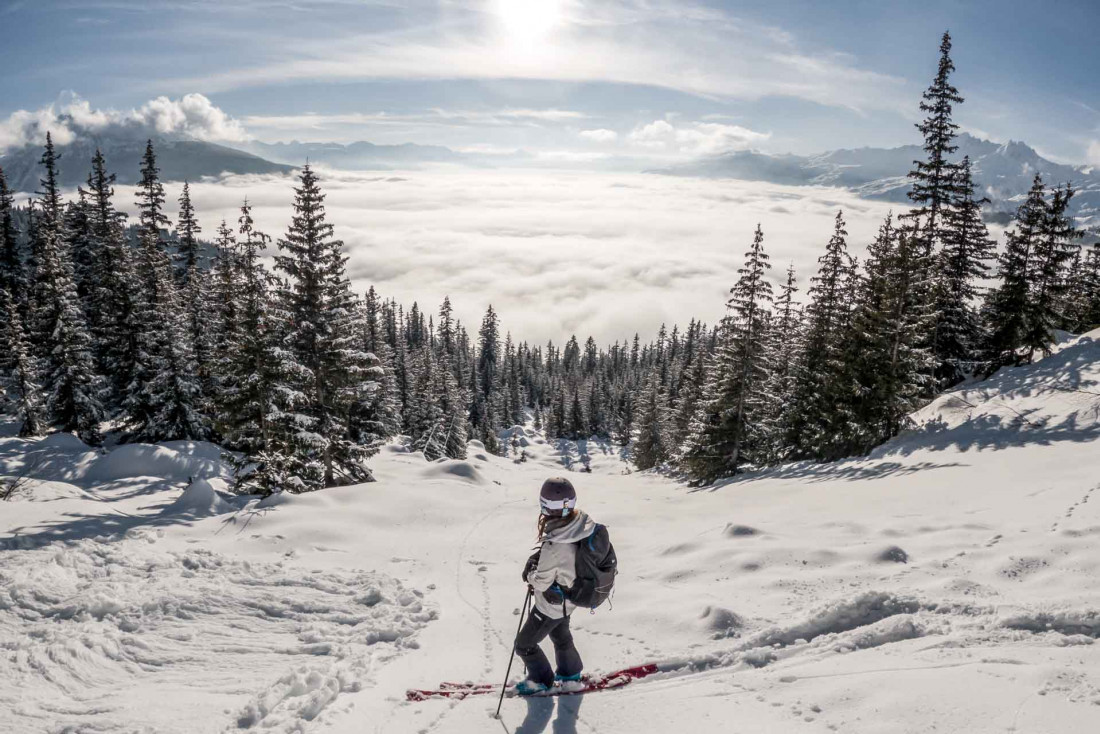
x,y
532,564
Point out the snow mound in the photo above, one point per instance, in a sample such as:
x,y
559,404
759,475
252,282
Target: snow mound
x,y
163,460
1066,622
93,630
454,469
721,622
841,616
63,442
200,499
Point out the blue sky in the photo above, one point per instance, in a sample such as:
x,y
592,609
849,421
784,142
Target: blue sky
x,y
569,79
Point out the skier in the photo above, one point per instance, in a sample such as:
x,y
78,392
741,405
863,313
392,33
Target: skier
x,y
549,572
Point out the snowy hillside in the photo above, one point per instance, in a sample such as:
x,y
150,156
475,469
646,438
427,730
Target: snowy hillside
x,y
949,582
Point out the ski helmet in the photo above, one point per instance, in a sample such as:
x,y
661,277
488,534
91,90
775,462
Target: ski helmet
x,y
557,497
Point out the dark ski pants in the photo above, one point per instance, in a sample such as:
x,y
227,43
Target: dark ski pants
x,y
535,630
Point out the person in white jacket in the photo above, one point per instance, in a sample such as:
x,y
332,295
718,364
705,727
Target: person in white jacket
x,y
549,572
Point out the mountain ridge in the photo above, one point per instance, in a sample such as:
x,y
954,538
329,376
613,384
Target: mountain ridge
x,y
1003,172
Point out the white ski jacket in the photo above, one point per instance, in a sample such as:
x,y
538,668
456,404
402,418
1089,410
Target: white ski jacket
x,y
557,564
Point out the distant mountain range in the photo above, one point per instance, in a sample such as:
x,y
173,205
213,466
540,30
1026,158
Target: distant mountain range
x,y
355,156
1004,173
178,160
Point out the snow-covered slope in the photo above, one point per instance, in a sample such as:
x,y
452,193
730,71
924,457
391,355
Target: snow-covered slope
x,y
949,582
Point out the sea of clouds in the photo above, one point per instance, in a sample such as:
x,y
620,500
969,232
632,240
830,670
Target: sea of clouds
x,y
555,253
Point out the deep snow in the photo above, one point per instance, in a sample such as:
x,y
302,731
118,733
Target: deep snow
x,y
949,582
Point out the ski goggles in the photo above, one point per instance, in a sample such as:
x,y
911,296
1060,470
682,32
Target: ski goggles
x,y
557,507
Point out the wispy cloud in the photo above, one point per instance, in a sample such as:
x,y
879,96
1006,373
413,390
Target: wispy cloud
x,y
599,135
437,116
680,46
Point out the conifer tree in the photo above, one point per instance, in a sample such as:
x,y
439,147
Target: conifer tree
x,y
651,447
18,373
191,279
783,345
1090,290
1006,308
1054,249
114,294
933,188
72,387
336,377
729,430
163,401
253,396
961,265
13,276
819,419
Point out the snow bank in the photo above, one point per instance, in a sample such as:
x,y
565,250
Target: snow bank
x,y
1066,622
453,469
175,462
200,499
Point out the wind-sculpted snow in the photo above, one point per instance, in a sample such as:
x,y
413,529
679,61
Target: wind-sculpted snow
x,y
104,635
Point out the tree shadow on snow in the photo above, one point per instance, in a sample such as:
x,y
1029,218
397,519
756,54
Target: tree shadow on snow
x,y
576,454
852,470
78,526
539,711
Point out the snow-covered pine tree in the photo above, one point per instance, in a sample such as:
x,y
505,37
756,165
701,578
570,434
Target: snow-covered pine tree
x,y
163,401
960,265
387,402
1006,307
784,342
652,444
820,414
1052,252
327,362
253,397
892,369
113,296
73,389
933,188
1090,290
576,427
192,283
730,429
80,242
485,416
18,371
13,274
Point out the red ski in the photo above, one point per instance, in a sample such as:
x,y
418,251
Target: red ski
x,y
587,684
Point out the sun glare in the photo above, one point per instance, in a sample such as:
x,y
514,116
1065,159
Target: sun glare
x,y
527,21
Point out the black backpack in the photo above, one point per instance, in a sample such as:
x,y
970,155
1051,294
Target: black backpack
x,y
596,566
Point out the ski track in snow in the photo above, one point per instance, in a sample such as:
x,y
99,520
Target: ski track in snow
x,y
83,621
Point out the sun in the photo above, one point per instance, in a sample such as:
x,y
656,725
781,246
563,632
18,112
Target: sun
x,y
527,21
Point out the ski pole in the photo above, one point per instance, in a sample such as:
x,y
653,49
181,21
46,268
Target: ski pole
x,y
504,686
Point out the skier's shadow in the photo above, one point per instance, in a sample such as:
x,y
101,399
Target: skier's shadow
x,y
539,711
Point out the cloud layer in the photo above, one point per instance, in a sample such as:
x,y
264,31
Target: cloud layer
x,y
699,138
190,116
555,253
